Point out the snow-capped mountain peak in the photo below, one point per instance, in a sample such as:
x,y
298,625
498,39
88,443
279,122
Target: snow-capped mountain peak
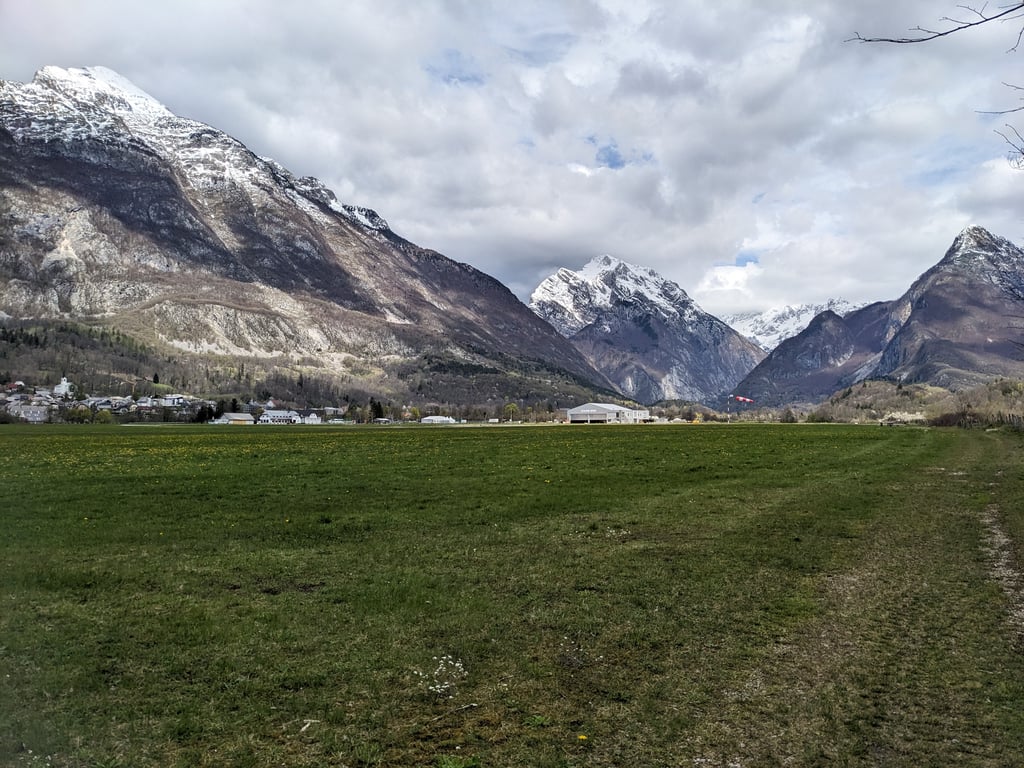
x,y
104,86
771,327
572,300
643,332
988,256
72,105
95,104
93,107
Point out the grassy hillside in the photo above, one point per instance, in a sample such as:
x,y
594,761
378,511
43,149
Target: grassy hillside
x,y
738,595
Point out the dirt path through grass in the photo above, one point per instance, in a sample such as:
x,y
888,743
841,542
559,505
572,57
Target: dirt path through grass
x,y
1005,568
906,662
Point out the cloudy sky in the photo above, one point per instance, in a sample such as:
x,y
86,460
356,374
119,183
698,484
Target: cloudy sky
x,y
742,148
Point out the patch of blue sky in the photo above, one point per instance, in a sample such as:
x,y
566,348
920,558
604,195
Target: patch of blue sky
x,y
746,256
453,67
758,197
609,155
949,162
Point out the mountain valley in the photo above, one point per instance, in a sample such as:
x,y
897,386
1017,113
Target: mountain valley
x,y
133,240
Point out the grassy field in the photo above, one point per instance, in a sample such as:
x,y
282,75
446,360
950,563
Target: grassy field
x,y
727,595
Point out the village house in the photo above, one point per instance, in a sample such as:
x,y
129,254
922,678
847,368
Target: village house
x,y
310,417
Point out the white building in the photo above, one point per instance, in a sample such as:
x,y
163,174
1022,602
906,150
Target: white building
x,y
33,414
606,413
279,417
310,417
437,420
64,389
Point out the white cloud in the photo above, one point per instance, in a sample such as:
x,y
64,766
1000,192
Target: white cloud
x,y
522,137
726,286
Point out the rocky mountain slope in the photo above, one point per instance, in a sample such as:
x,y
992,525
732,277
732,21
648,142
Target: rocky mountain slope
x,y
115,211
771,327
960,324
643,332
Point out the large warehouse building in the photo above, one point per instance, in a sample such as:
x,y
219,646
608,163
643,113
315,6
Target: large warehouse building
x,y
606,413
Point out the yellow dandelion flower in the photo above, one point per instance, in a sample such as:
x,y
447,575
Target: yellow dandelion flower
x,y
582,737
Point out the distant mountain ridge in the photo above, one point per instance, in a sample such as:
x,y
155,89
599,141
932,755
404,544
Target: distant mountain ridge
x,y
643,332
961,323
114,210
769,328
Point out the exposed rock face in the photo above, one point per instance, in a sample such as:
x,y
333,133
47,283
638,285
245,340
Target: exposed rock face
x,y
960,324
644,333
113,208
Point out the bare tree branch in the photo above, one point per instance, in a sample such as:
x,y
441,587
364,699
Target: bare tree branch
x,y
1014,11
1016,143
1005,111
979,16
1020,34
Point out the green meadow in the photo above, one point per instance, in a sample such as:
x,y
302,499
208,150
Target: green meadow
x,y
694,595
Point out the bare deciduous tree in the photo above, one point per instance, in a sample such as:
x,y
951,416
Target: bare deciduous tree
x,y
973,17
